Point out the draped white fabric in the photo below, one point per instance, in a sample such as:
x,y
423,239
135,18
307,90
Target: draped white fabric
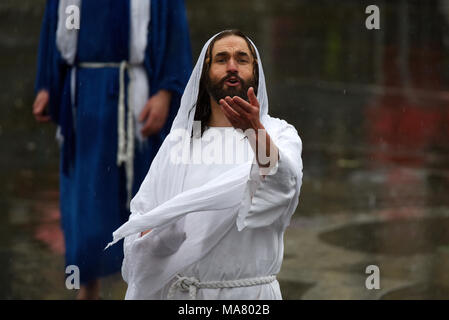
x,y
189,218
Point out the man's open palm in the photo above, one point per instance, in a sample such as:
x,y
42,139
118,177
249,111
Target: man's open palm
x,y
242,114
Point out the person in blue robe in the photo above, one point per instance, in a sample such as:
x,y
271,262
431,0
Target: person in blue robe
x,y
82,98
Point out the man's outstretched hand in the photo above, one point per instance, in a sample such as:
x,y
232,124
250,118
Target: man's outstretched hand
x,y
39,106
242,114
155,112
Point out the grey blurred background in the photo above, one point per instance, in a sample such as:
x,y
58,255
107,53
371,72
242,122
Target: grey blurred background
x,y
371,107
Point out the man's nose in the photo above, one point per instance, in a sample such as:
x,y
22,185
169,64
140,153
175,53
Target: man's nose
x,y
232,66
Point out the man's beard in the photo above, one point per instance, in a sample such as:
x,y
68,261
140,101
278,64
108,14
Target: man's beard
x,y
217,91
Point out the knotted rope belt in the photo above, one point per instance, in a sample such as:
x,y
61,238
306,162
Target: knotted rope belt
x,y
191,284
125,150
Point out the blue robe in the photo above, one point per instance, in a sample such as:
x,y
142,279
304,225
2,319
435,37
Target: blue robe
x,y
92,187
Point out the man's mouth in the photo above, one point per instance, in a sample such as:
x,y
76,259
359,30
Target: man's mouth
x,y
232,82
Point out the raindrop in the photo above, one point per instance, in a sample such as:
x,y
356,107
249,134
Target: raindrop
x,y
31,146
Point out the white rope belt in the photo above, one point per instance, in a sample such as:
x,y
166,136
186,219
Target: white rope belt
x,y
191,284
125,150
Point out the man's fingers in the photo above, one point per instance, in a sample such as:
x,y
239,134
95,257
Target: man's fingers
x,y
153,125
229,113
252,97
38,106
236,107
228,110
243,104
225,110
144,114
38,112
148,127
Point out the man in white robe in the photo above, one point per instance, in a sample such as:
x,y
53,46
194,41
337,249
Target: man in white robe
x,y
207,224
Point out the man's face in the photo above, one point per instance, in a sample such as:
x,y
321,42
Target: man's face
x,y
231,71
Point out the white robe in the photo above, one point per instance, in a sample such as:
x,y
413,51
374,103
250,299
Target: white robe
x,y
239,255
217,222
256,250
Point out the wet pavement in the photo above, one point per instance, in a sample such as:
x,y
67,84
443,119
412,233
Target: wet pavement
x,y
370,106
331,253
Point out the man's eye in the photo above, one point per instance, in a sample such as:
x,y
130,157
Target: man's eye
x,y
243,60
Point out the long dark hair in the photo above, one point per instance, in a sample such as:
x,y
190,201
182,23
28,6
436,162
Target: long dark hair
x,y
203,108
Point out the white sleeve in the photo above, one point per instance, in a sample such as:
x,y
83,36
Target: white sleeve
x,y
275,196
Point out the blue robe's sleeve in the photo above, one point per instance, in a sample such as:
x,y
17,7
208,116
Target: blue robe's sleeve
x,y
169,57
51,70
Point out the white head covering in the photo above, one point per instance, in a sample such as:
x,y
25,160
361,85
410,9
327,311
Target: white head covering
x,y
186,112
162,205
